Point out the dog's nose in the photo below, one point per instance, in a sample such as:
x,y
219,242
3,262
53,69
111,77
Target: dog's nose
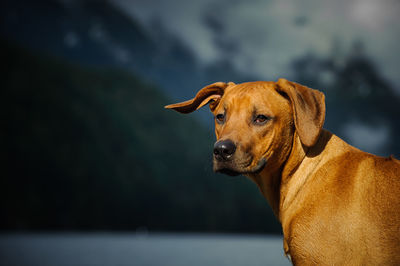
x,y
224,149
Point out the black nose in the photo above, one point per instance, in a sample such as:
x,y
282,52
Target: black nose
x,y
224,150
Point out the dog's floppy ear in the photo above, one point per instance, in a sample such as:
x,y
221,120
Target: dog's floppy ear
x,y
209,94
308,110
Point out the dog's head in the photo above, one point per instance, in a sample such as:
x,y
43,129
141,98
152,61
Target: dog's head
x,y
255,122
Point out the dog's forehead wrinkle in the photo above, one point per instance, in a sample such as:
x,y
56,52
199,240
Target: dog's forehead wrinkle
x,y
247,105
243,101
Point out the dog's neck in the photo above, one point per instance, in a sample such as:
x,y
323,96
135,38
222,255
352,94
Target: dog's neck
x,y
296,157
270,179
278,186
292,179
269,184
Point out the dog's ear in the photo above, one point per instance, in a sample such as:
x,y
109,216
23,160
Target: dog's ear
x,y
209,94
308,110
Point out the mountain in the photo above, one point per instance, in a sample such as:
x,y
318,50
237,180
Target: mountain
x,y
92,148
95,32
362,107
86,31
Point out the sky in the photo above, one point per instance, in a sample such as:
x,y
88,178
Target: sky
x,y
264,37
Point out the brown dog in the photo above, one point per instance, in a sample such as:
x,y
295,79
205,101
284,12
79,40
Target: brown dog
x,y
337,205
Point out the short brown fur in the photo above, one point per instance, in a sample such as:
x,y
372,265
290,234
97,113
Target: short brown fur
x,y
337,205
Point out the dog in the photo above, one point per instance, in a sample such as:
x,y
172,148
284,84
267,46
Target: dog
x,y
337,205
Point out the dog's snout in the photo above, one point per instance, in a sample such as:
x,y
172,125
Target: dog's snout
x,y
224,150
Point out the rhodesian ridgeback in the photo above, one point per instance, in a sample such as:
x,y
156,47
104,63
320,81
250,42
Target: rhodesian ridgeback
x,y
337,205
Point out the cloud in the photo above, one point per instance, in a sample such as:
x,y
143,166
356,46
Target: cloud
x,y
183,18
263,37
367,137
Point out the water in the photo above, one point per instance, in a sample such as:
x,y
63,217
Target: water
x,y
140,249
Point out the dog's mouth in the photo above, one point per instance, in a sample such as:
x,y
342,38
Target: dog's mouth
x,y
228,171
229,168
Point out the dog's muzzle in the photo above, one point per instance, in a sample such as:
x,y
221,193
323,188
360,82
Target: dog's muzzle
x,y
226,163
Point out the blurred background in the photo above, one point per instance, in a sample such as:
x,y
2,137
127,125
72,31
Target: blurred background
x,y
87,146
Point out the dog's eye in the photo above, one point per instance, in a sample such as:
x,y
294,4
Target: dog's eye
x,y
261,119
220,118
